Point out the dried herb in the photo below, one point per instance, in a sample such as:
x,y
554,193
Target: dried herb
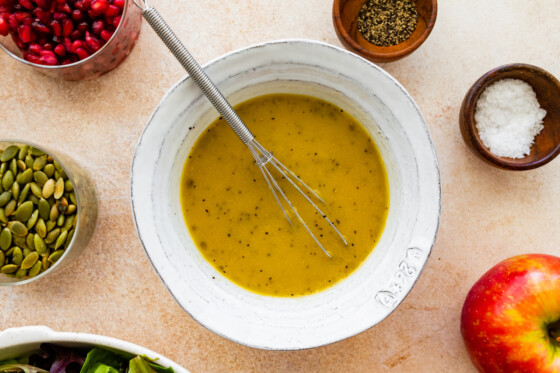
x,y
387,22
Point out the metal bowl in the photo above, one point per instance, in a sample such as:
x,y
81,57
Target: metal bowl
x,y
377,287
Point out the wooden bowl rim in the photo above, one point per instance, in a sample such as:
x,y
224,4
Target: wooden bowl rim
x,y
389,56
470,101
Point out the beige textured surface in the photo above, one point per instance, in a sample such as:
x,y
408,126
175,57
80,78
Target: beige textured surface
x,y
488,215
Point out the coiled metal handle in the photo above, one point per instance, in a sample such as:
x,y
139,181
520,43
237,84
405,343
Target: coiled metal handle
x,y
195,71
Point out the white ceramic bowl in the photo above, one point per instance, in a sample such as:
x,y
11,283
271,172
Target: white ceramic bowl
x,y
373,291
16,342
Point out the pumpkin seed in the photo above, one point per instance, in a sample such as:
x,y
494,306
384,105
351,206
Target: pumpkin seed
x,y
50,225
23,152
36,152
70,209
61,239
5,239
13,167
3,217
23,194
33,219
9,153
41,228
40,245
49,170
3,168
27,251
2,258
10,207
29,160
34,271
53,258
20,242
40,178
10,251
48,188
24,211
7,180
60,220
17,256
73,199
25,177
53,215
36,190
21,273
59,188
30,241
44,209
15,190
68,222
52,236
17,228
69,239
9,268
68,187
5,197
39,163
21,165
45,262
30,260
33,198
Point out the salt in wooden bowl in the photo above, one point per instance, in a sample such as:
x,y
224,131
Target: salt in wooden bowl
x,y
547,143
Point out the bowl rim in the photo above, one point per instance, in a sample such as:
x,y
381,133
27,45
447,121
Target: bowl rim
x,y
468,124
36,334
429,243
383,56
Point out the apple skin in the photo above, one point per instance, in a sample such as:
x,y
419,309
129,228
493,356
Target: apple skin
x,y
508,314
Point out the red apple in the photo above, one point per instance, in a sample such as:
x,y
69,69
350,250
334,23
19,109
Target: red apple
x,y
511,317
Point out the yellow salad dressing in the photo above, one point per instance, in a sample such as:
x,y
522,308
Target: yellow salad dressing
x,y
237,224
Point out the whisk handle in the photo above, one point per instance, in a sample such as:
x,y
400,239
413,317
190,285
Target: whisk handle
x,y
197,73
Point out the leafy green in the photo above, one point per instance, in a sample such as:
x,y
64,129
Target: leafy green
x,y
100,360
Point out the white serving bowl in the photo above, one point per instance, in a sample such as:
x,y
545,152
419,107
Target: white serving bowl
x,y
15,342
375,289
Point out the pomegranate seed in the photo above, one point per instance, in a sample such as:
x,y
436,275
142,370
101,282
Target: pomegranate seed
x,y
92,42
79,5
97,27
17,40
99,6
33,59
106,35
26,4
113,10
49,59
60,50
83,26
39,27
64,7
48,46
82,53
76,44
42,16
77,15
116,21
12,21
87,3
75,35
21,16
4,27
67,44
56,28
35,48
6,2
119,3
67,27
41,4
60,16
26,34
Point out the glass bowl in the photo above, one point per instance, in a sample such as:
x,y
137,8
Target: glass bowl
x,y
108,57
86,212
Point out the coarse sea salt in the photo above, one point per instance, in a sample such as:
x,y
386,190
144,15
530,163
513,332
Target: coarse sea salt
x,y
508,118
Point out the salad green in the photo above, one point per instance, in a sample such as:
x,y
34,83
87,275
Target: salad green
x,y
58,359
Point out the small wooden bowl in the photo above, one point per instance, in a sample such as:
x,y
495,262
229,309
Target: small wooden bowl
x,y
345,19
547,142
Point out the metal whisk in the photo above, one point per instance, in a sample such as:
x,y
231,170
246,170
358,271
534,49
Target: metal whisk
x,y
263,157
